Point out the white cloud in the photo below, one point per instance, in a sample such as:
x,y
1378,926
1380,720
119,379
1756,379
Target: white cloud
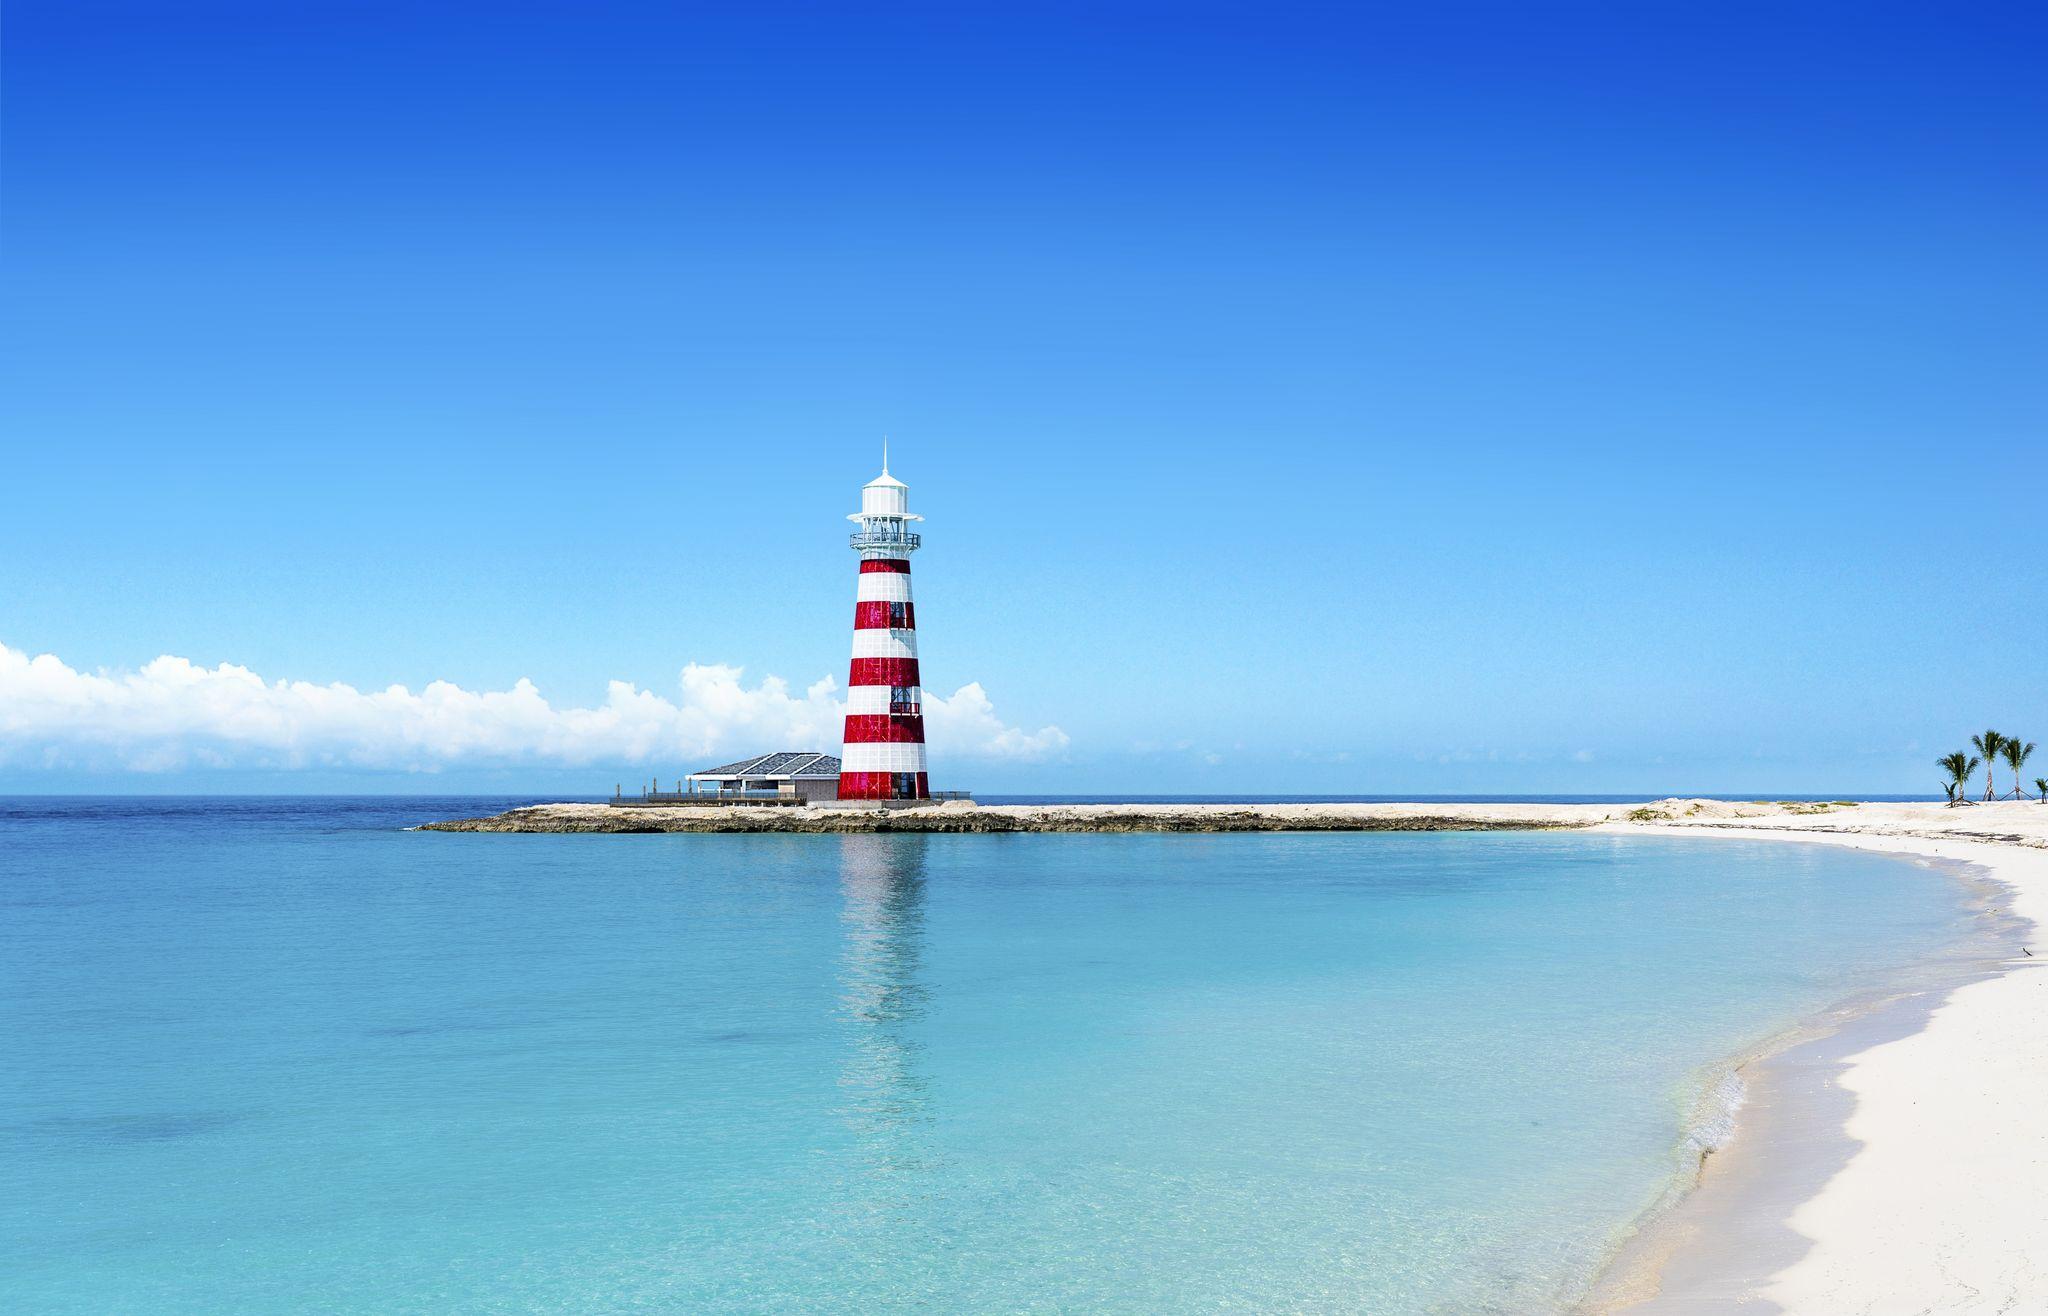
x,y
174,714
969,719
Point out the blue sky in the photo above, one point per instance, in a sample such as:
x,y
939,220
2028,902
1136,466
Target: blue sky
x,y
1447,398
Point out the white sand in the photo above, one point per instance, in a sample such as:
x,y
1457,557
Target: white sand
x,y
1943,1207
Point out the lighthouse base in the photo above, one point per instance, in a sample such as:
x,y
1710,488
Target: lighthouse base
x,y
910,787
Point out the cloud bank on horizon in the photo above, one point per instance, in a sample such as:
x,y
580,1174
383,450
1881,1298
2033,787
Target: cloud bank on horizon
x,y
172,714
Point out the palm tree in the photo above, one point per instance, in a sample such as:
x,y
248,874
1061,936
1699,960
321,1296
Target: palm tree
x,y
1988,745
2041,788
1958,766
2016,756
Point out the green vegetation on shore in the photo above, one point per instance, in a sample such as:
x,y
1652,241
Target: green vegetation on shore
x,y
1991,747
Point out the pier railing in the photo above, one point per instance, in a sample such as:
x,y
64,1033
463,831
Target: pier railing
x,y
649,798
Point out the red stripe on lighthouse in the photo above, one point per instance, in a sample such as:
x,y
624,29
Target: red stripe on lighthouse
x,y
899,565
877,616
883,671
884,729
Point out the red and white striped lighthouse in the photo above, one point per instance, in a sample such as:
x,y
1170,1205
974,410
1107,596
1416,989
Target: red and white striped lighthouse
x,y
883,758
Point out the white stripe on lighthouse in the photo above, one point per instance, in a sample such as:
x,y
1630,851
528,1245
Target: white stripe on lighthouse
x,y
882,758
873,700
884,644
884,587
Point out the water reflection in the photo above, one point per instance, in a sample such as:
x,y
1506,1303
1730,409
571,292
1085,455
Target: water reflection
x,y
882,996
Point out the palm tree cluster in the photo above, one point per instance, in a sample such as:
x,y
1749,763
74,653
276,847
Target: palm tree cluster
x,y
1991,747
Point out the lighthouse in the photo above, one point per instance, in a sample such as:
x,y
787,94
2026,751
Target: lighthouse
x,y
884,754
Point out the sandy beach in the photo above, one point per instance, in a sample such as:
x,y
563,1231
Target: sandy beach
x,y
1897,1162
1897,1165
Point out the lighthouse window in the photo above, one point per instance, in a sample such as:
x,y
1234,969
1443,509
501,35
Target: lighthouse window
x,y
902,700
899,615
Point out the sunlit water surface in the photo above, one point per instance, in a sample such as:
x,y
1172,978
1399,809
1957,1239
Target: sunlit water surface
x,y
271,1055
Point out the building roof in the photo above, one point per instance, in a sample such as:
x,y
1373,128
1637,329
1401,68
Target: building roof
x,y
798,763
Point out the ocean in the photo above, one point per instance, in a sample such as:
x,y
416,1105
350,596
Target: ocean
x,y
283,1055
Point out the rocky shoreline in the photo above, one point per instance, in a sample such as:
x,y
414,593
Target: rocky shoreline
x,y
968,817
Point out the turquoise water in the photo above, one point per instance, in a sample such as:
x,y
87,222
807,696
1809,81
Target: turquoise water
x,y
273,1055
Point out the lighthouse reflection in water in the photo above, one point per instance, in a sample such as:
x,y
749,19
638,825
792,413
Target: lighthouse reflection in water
x,y
886,1089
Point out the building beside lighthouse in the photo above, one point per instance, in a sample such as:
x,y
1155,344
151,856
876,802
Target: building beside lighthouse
x,y
883,755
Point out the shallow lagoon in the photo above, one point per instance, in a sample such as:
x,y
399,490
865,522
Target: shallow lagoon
x,y
264,1054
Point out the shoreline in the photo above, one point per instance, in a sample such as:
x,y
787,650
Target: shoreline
x,y
1862,1173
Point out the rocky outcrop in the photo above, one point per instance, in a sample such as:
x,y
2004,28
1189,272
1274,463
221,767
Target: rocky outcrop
x,y
567,818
